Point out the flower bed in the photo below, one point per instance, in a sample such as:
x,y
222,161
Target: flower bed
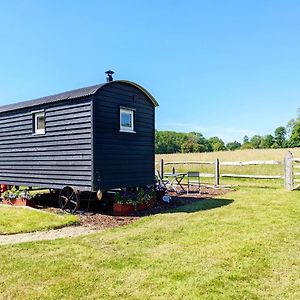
x,y
18,202
129,201
17,197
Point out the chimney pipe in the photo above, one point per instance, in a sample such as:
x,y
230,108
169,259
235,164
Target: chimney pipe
x,y
109,77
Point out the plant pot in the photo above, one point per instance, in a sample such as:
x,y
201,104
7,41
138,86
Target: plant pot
x,y
151,202
23,202
142,206
147,205
122,209
6,202
18,202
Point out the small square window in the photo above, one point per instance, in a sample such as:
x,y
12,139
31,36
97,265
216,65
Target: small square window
x,y
39,122
126,120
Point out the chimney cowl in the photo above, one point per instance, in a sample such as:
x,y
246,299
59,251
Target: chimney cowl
x,y
109,77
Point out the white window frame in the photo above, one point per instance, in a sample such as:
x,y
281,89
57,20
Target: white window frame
x,y
36,115
130,112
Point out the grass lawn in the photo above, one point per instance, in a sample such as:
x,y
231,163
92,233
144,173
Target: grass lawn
x,y
244,245
19,219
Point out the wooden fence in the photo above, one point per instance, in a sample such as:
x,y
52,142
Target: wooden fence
x,y
289,176
291,172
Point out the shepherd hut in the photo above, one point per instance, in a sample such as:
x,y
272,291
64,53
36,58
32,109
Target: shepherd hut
x,y
95,138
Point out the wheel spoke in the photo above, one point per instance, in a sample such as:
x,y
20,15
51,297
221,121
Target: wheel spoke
x,y
64,197
64,206
68,199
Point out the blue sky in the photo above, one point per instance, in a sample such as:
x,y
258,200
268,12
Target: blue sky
x,y
224,68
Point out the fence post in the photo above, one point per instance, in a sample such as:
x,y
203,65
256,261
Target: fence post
x,y
288,171
162,168
217,172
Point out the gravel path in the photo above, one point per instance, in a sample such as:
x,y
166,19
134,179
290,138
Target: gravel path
x,y
53,234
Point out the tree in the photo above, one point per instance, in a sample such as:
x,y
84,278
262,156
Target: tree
x,y
172,142
217,144
233,146
256,141
203,144
246,143
295,137
290,127
169,141
279,136
246,139
189,147
267,141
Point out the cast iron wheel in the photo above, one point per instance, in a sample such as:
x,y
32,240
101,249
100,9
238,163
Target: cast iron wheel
x,y
69,199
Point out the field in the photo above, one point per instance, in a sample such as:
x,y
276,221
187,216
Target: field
x,y
229,156
18,219
247,248
241,155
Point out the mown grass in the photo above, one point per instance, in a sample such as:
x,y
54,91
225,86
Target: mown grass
x,y
239,155
19,219
244,246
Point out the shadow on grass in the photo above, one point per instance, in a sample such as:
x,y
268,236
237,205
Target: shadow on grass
x,y
203,204
259,187
179,203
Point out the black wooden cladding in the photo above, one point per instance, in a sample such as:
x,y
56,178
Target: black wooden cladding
x,y
123,159
83,146
60,157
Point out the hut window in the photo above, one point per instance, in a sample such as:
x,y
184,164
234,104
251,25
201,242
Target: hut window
x,y
39,122
126,120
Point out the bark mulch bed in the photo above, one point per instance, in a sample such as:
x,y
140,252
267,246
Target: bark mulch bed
x,y
93,217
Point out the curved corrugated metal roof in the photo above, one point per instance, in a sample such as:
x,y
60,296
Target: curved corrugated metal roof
x,y
73,94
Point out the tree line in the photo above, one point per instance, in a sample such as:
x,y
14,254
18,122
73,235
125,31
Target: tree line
x,y
175,142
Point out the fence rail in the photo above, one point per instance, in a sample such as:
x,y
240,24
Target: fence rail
x,y
189,163
250,163
207,175
252,176
225,163
295,165
289,164
290,176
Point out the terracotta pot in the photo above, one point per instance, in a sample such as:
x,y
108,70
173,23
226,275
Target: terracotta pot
x,y
122,209
22,202
151,202
147,205
6,202
18,202
142,206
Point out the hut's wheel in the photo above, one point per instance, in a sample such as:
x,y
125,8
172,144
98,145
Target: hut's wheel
x,y
69,199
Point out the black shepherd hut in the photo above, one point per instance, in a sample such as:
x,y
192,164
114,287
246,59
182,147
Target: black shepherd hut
x,y
90,139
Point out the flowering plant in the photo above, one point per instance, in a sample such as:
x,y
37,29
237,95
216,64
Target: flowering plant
x,y
126,197
15,193
139,196
11,194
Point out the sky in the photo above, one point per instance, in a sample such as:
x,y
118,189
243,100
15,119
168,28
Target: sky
x,y
222,68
